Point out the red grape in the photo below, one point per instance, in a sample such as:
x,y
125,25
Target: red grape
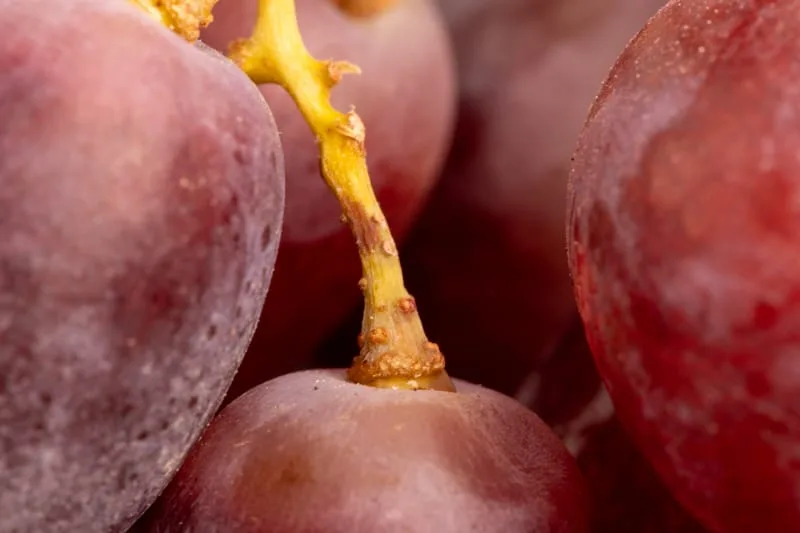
x,y
141,196
684,248
627,495
310,452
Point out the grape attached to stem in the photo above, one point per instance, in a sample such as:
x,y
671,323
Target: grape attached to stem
x,y
395,352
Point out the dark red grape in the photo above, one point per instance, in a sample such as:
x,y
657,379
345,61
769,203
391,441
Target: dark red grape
x,y
141,199
684,248
487,256
311,452
627,495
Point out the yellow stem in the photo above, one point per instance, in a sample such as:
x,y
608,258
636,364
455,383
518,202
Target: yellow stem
x,y
394,352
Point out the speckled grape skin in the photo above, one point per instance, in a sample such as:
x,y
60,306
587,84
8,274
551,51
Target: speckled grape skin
x,y
141,199
487,255
406,97
312,453
684,246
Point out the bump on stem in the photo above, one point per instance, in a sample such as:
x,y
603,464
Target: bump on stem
x,y
183,17
394,352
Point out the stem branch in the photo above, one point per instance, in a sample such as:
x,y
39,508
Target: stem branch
x,y
394,351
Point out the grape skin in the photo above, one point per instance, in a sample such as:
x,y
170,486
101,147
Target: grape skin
x,y
309,452
683,246
141,201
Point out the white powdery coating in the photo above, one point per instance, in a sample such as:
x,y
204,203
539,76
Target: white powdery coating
x,y
125,305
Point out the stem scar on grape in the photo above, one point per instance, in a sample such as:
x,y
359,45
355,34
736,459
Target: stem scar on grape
x,y
394,351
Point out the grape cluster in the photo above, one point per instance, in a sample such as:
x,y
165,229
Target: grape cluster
x,y
640,376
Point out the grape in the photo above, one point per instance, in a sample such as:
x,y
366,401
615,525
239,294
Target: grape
x,y
406,98
310,452
527,73
683,245
627,495
141,198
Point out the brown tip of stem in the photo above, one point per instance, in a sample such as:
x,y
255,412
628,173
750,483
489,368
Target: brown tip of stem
x,y
337,69
438,382
364,8
399,370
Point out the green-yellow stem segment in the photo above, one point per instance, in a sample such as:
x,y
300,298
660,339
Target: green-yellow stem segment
x,y
394,350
